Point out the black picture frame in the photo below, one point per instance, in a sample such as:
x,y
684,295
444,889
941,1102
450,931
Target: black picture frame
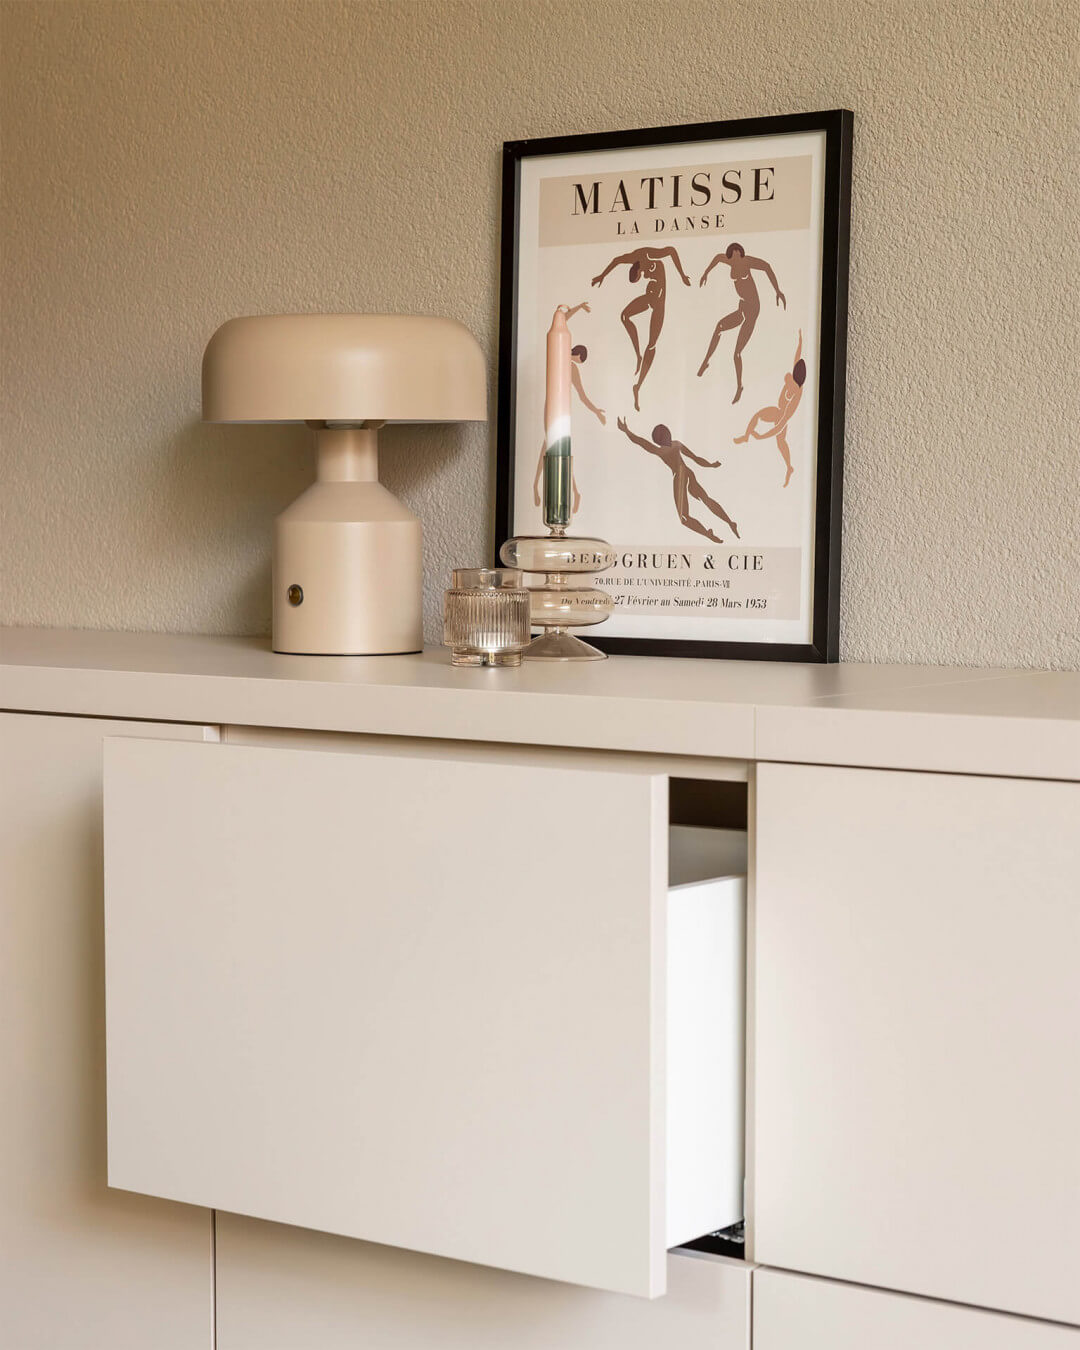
x,y
837,126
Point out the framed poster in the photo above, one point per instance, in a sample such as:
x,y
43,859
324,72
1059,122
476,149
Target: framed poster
x,y
703,273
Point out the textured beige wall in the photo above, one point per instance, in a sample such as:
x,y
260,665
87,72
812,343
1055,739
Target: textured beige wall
x,y
168,165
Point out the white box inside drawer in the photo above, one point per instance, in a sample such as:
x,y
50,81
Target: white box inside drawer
x,y
706,969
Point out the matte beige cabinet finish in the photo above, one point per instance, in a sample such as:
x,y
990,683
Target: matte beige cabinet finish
x,y
916,1096
81,1267
286,1289
794,1312
351,992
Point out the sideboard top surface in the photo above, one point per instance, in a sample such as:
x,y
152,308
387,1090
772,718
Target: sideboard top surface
x,y
945,719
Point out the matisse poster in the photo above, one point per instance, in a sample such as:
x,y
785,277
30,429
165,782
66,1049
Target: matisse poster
x,y
699,281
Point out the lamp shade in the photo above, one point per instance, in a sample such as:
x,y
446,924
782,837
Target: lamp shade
x,y
343,368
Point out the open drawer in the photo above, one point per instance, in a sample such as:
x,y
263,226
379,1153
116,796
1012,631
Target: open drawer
x,y
424,1001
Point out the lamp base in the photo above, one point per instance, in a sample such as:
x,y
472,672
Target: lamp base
x,y
347,573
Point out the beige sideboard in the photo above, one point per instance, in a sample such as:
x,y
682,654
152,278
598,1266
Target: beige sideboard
x,y
383,947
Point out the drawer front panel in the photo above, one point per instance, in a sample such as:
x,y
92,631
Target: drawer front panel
x,y
282,1289
794,1312
917,1009
381,997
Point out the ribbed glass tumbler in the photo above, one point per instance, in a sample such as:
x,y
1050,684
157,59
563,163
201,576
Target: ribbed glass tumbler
x,y
486,616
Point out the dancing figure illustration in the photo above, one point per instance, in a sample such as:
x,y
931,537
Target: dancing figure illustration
x,y
746,316
683,479
778,417
645,263
579,354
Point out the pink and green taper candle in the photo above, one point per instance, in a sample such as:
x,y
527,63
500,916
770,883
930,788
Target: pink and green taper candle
x,y
557,462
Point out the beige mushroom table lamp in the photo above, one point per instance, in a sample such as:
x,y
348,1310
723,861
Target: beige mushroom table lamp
x,y
347,568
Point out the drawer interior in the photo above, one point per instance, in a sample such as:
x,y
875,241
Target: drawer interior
x,y
706,1001
698,854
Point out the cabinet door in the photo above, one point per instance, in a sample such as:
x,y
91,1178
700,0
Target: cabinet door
x,y
81,1266
793,1312
916,1110
284,1289
411,999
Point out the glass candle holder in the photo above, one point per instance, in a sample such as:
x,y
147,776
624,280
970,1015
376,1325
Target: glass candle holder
x,y
562,598
486,616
